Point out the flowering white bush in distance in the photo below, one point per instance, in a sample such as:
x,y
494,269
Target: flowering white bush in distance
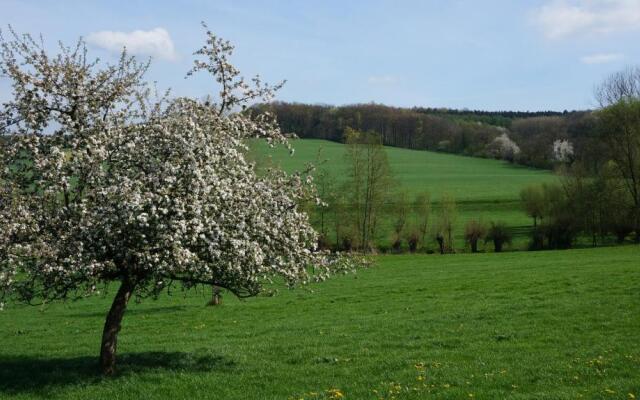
x,y
562,150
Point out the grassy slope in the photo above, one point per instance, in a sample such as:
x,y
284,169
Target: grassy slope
x,y
545,325
466,178
484,189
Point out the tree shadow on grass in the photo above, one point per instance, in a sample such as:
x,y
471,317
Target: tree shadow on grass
x,y
39,376
132,311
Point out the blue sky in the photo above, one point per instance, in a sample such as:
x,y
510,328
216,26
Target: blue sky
x,y
492,55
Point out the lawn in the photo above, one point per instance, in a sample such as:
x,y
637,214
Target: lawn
x,y
484,189
519,325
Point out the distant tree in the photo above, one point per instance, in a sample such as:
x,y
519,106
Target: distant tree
x,y
369,179
326,189
533,202
620,129
535,138
562,215
400,212
621,85
504,147
422,210
474,231
446,222
563,151
413,240
101,186
499,234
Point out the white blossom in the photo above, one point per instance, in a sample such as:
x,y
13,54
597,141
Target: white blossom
x,y
562,150
100,184
503,147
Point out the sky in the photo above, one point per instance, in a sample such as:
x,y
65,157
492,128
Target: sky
x,y
479,54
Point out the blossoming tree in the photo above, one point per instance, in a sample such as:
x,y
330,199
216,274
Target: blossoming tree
x,y
100,185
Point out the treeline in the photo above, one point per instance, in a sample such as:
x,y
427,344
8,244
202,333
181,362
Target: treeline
x,y
472,133
497,118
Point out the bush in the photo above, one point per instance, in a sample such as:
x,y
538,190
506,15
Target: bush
x,y
474,231
498,234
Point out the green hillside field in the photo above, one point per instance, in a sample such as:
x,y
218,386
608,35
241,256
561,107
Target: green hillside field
x,y
483,188
518,325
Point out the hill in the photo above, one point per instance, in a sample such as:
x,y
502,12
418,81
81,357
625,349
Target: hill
x,y
483,188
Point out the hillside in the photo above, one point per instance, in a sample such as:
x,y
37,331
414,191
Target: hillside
x,y
462,132
468,179
483,188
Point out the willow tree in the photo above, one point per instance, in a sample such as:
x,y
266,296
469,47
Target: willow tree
x,y
103,188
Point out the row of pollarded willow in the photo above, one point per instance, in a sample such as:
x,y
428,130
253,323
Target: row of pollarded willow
x,y
119,188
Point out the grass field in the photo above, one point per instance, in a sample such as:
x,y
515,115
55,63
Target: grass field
x,y
483,188
534,325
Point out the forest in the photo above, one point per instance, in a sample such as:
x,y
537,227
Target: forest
x,y
471,133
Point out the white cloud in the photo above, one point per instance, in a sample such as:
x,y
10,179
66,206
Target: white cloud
x,y
602,58
155,42
383,80
564,18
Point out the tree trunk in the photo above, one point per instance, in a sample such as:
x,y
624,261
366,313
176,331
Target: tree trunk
x,y
440,240
216,296
112,327
474,246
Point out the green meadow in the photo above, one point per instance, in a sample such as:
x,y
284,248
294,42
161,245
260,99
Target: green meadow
x,y
518,325
484,189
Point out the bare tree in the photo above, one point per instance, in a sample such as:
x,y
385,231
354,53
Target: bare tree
x,y
422,208
446,223
620,85
368,183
